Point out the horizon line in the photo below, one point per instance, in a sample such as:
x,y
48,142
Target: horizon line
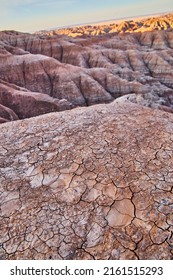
x,y
100,21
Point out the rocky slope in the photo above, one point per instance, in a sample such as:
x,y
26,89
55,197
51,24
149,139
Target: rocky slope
x,y
90,183
41,73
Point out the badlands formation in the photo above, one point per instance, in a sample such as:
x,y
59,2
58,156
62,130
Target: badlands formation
x,y
40,73
144,24
93,182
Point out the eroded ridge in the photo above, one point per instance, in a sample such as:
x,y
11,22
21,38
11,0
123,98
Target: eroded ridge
x,y
90,183
141,24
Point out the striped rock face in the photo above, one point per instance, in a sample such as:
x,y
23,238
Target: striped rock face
x,y
90,183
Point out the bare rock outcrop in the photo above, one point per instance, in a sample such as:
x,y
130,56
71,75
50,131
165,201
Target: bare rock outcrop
x,y
90,183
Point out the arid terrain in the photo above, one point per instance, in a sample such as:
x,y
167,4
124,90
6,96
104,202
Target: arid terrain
x,y
41,73
90,183
93,181
139,24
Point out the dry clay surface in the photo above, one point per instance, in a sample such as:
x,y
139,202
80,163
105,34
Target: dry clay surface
x,y
90,183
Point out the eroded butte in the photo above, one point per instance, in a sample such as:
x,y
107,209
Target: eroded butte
x,y
90,183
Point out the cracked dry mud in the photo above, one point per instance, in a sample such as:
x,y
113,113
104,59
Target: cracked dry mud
x,y
90,183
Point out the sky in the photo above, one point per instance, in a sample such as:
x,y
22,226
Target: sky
x,y
35,15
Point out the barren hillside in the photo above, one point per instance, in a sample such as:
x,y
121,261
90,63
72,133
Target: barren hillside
x,y
90,183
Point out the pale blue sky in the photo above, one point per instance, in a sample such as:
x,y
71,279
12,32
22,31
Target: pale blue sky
x,y
32,15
